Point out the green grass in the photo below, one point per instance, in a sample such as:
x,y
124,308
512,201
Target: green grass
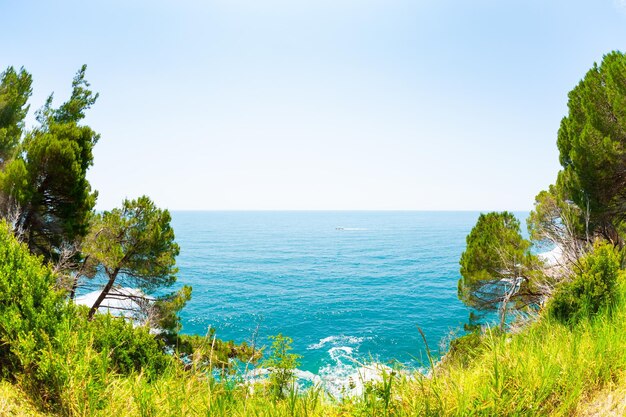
x,y
547,369
105,367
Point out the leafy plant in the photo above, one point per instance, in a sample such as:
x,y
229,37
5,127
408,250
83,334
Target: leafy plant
x,y
281,364
30,308
593,287
209,351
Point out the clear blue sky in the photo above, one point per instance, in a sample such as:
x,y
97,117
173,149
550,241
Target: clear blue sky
x,y
318,104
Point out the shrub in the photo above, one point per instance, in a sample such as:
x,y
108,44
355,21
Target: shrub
x,y
78,365
281,364
210,351
30,308
465,348
129,348
592,288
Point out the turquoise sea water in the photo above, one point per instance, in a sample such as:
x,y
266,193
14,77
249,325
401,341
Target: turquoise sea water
x,y
346,286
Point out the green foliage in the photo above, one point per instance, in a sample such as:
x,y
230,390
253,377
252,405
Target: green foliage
x,y
135,242
82,99
166,309
495,250
547,369
46,183
555,219
592,288
209,351
30,309
591,142
86,356
15,89
128,348
281,364
48,345
40,334
465,348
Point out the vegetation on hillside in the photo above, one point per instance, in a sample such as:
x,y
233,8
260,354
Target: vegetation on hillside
x,y
498,271
52,241
586,204
57,358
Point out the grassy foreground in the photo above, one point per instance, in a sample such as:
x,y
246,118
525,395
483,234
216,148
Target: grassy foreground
x,y
547,369
54,361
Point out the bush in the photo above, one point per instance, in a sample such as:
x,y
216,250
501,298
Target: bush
x,y
281,364
129,348
85,356
593,288
465,348
30,308
50,346
210,351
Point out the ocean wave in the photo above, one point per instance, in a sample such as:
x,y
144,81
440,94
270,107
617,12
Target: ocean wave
x,y
339,380
345,380
336,341
340,350
345,373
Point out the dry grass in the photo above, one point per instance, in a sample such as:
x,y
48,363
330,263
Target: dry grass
x,y
15,403
608,402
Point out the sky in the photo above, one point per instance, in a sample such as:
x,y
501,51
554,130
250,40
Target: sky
x,y
317,104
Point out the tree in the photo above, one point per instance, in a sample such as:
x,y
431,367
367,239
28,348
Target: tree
x,y
45,195
134,243
497,267
592,148
15,89
555,219
560,223
47,180
163,311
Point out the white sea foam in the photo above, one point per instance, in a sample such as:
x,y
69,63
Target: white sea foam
x,y
336,341
337,351
345,380
308,376
338,380
343,375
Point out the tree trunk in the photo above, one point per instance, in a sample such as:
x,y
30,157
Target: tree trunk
x,y
74,287
103,294
77,277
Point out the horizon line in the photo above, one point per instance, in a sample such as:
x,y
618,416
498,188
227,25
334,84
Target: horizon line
x,y
349,210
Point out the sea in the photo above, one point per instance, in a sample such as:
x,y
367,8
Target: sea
x,y
351,288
